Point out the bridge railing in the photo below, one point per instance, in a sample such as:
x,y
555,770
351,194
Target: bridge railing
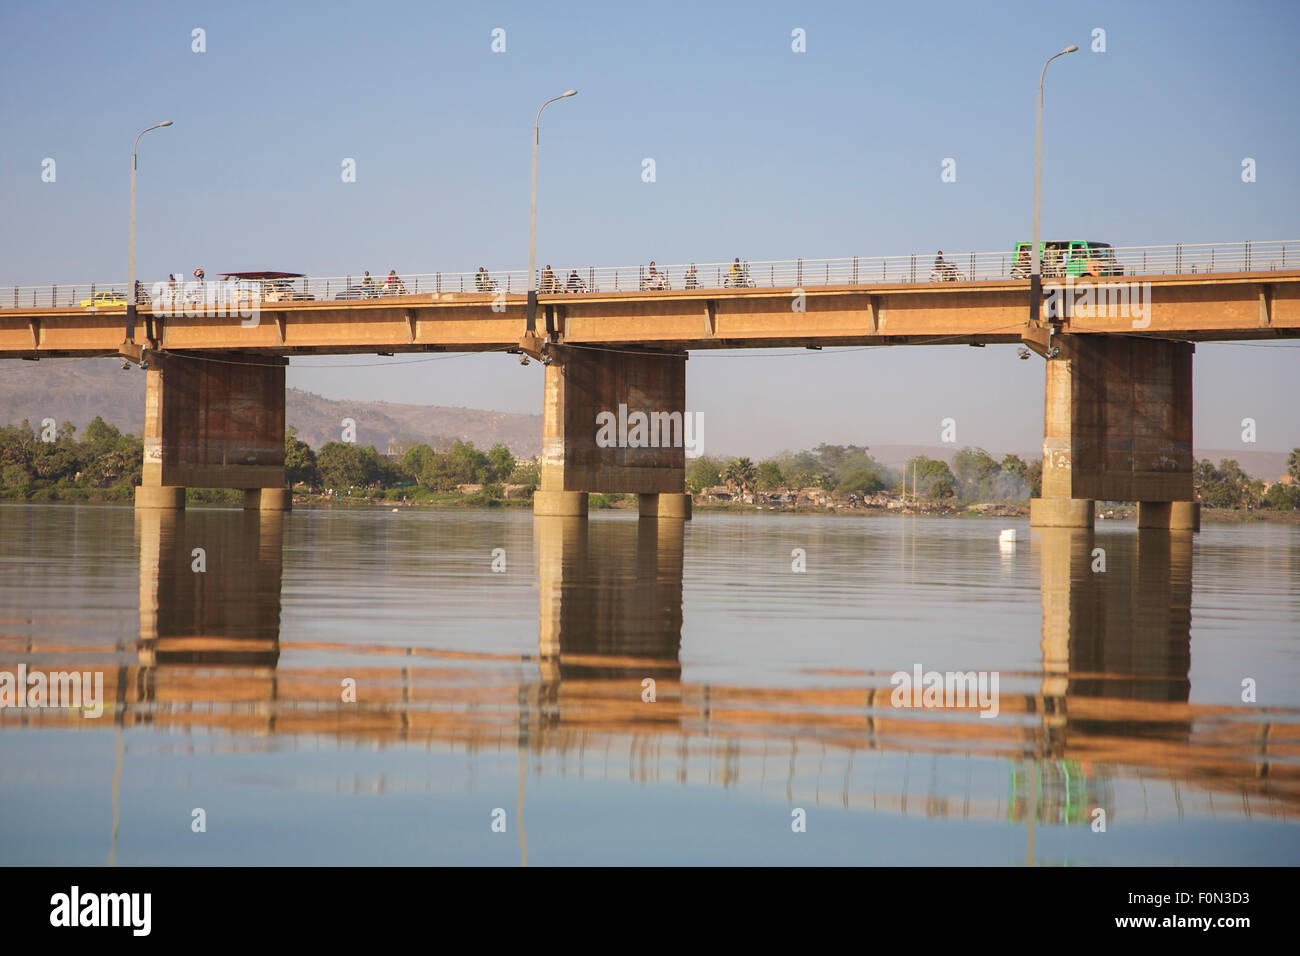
x,y
1132,261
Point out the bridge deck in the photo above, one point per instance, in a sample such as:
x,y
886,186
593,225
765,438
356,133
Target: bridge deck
x,y
1202,307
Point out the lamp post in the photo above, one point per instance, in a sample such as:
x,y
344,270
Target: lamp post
x,y
1035,276
131,300
532,219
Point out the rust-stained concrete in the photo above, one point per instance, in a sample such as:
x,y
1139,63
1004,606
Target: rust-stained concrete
x,y
581,384
1117,426
213,422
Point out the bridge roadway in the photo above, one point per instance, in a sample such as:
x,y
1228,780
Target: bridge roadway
x,y
1201,307
1117,405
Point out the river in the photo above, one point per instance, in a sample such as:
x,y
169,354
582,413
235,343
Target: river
x,y
456,686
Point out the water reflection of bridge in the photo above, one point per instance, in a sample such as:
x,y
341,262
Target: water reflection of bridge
x,y
1109,710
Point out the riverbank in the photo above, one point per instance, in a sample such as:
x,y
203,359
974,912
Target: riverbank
x,y
394,498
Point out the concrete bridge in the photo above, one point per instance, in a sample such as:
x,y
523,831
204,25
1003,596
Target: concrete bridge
x,y
1118,402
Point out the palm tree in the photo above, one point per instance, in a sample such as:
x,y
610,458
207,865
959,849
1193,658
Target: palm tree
x,y
741,472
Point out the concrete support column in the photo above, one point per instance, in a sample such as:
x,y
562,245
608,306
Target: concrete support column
x,y
152,493
1061,513
1117,426
155,497
560,504
1059,507
1169,515
268,499
614,423
675,507
213,421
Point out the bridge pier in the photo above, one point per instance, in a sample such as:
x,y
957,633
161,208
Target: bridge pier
x,y
1117,426
214,421
614,423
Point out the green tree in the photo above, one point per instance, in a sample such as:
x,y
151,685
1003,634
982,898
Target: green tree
x,y
108,457
863,482
741,473
383,471
801,469
416,460
929,472
769,476
526,473
1282,497
703,472
15,476
439,474
1014,465
299,460
99,437
975,470
941,490
1293,464
343,465
501,462
468,462
1220,494
55,461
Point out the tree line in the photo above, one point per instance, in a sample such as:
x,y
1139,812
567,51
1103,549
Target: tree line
x,y
36,464
974,475
342,465
103,462
1227,486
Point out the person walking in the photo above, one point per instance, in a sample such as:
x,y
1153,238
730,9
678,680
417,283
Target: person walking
x,y
692,279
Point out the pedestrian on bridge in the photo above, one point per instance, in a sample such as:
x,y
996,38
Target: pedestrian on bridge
x,y
692,281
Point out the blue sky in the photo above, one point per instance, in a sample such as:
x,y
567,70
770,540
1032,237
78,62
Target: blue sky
x,y
759,152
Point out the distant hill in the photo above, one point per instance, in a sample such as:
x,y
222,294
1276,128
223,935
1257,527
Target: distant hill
x,y
77,390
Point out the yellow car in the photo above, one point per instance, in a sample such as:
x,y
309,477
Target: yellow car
x,y
101,299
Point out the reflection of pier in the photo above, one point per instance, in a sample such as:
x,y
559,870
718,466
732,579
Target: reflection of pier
x,y
227,613
615,616
1116,642
1107,714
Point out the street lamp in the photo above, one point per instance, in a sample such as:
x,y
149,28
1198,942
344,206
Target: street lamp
x,y
131,301
532,220
1035,277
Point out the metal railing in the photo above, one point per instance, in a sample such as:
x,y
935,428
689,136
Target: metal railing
x,y
1129,261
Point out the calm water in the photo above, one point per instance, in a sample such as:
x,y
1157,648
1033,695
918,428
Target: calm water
x,y
520,690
